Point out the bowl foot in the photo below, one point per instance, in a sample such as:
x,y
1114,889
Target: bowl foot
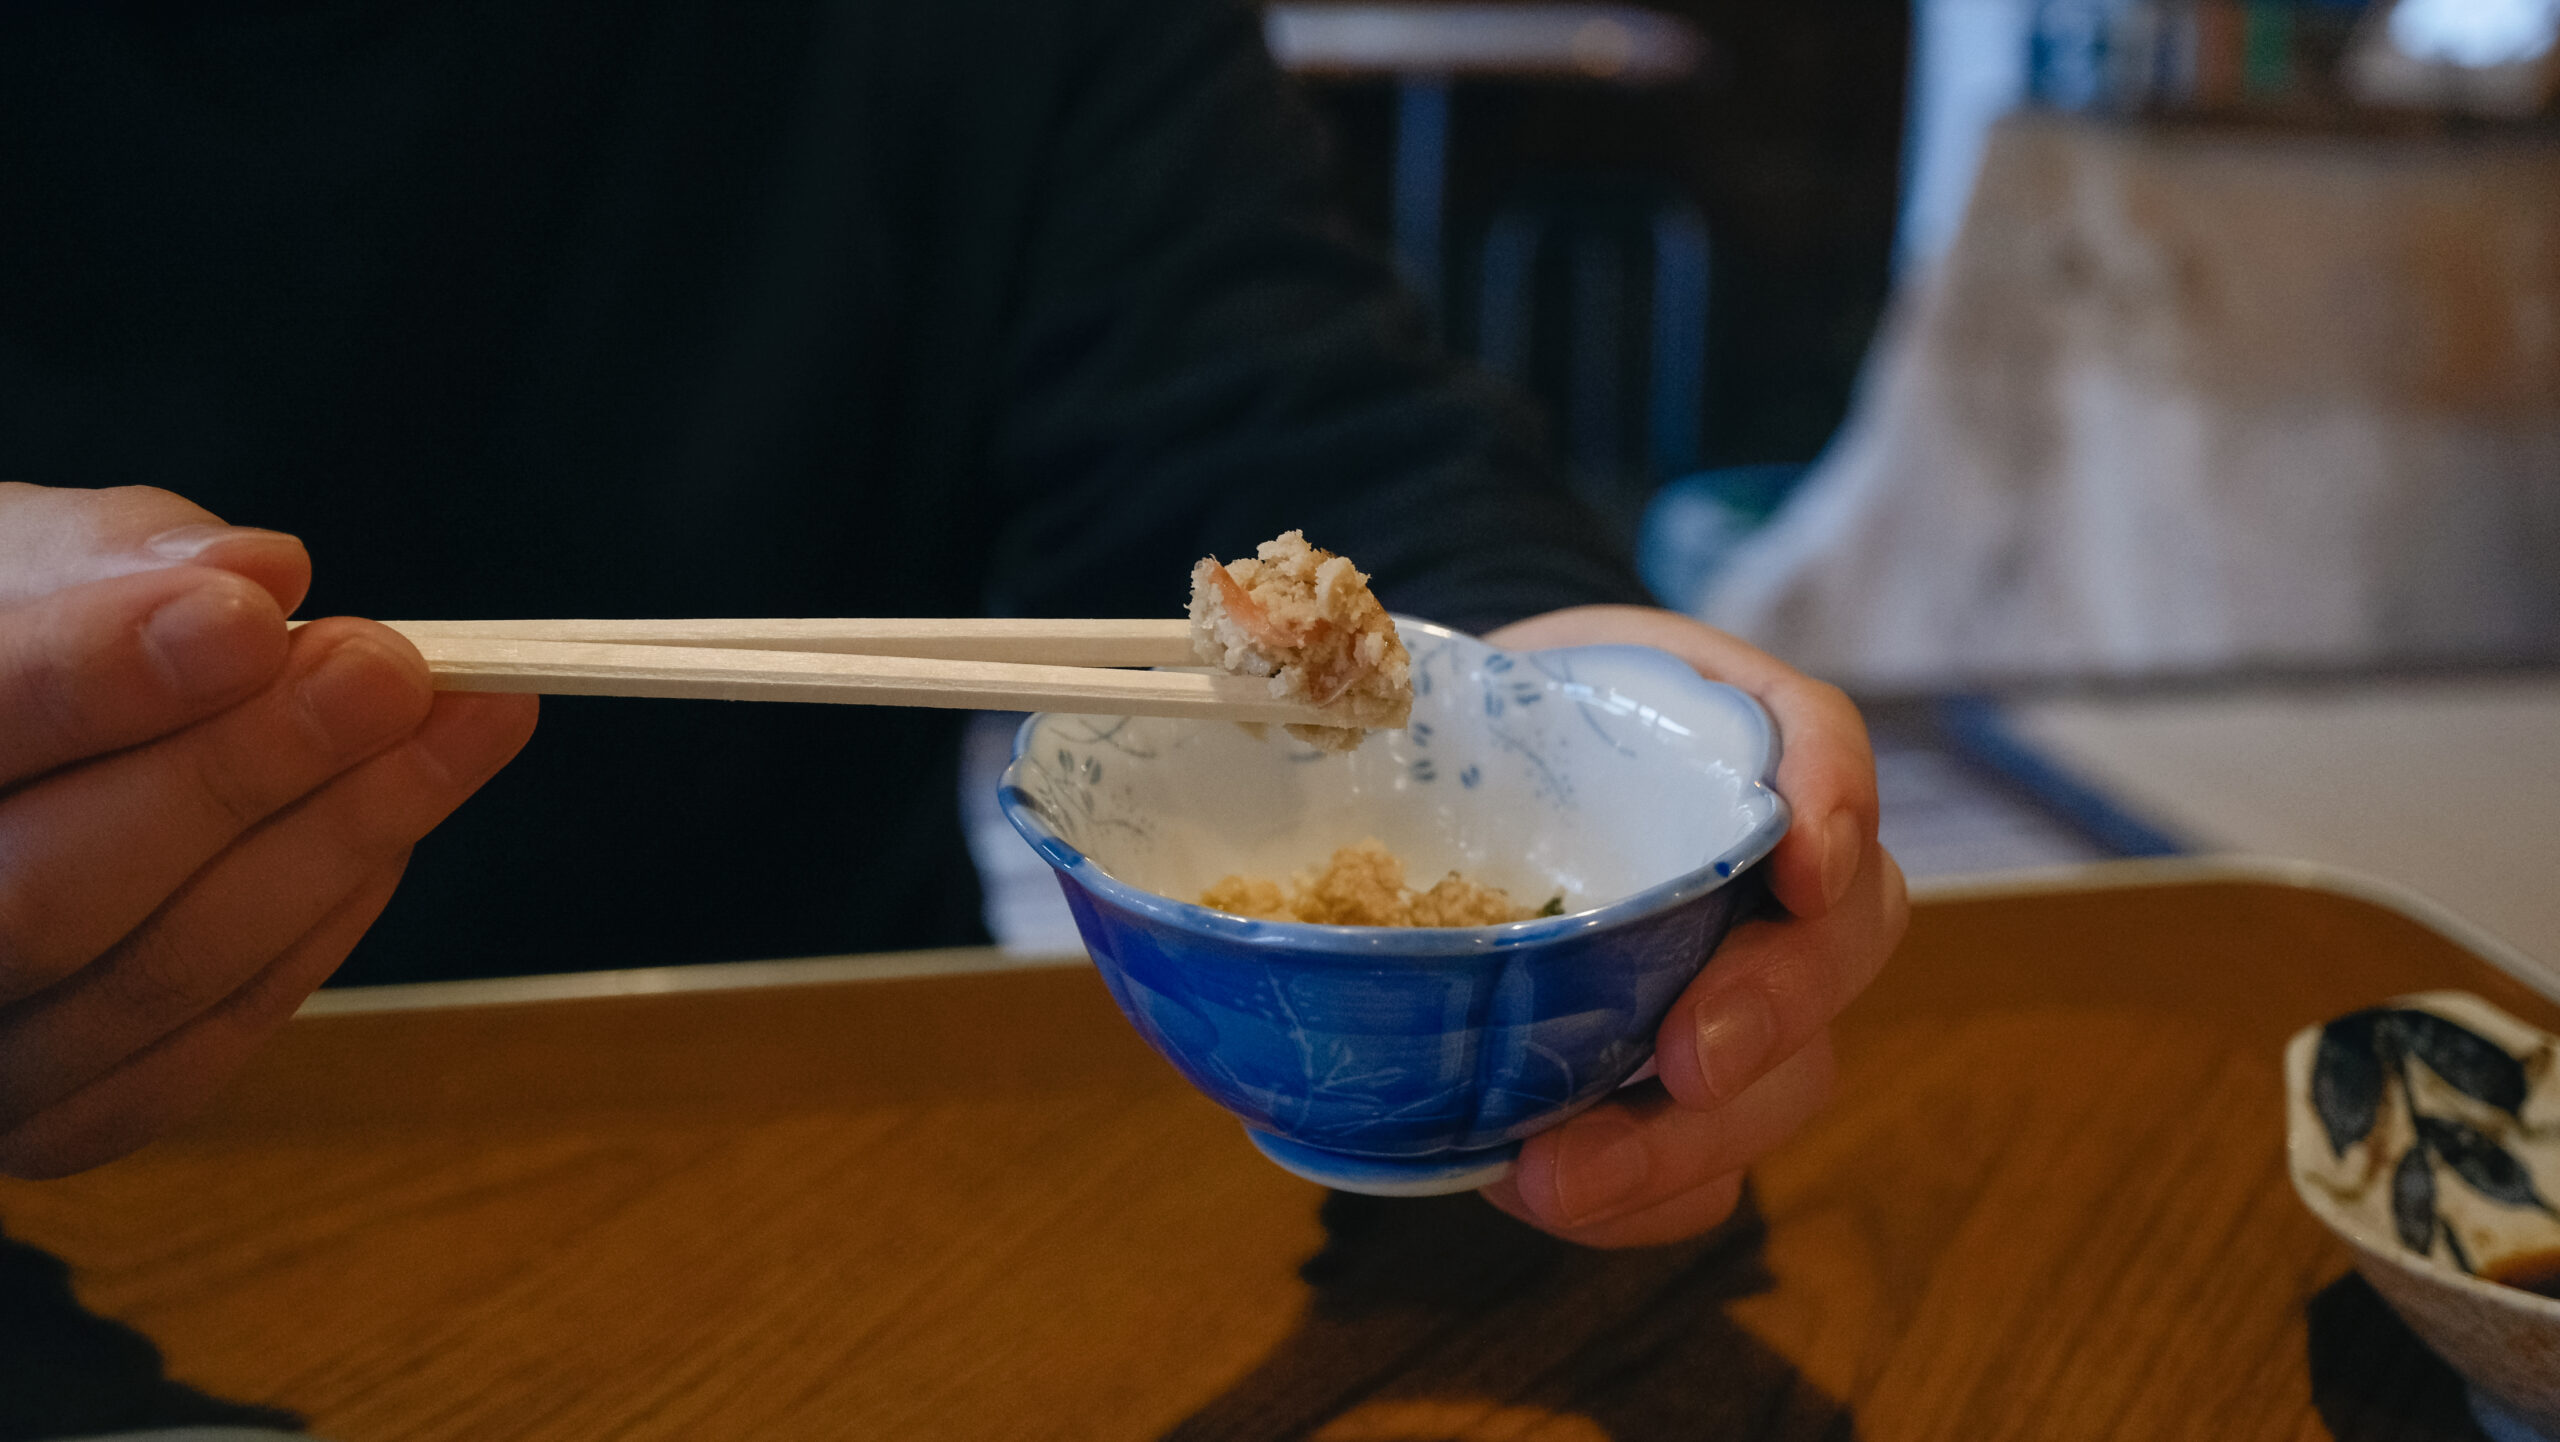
x,y
1381,1177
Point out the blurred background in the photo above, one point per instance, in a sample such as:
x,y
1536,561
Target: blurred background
x,y
2149,408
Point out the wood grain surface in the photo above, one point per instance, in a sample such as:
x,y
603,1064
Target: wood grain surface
x,y
2048,1203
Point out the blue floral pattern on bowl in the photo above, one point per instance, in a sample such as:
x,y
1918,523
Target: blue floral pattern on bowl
x,y
1414,1060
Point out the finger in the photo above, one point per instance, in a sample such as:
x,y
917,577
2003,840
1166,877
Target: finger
x,y
168,1082
56,537
1774,986
115,663
1828,776
1692,1213
1645,1153
1826,766
94,850
275,884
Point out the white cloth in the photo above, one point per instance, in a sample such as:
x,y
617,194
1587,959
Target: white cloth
x,y
2182,401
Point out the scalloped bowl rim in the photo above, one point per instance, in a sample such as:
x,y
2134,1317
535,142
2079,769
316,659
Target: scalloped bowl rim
x,y
1451,945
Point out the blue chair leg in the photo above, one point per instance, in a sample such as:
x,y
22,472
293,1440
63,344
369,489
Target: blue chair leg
x,y
1615,458
1676,414
1506,294
1420,183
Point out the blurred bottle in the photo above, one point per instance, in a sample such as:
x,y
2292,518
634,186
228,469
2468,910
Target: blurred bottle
x,y
2068,48
2274,58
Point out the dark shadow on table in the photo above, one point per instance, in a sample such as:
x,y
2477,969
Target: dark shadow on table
x,y
2373,1380
67,1372
1442,1319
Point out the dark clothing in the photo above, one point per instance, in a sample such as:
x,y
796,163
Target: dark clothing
x,y
910,307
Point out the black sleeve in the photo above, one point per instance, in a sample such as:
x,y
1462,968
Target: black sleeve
x,y
1205,356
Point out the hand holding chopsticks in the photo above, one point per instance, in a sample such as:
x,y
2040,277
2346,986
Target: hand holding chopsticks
x,y
998,665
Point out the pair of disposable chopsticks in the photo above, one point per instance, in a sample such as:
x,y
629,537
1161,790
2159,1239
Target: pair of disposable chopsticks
x,y
993,665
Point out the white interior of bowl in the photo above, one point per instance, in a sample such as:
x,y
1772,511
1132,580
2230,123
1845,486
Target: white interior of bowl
x,y
1593,772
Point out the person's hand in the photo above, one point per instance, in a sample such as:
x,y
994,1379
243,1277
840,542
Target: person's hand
x,y
1745,1055
200,810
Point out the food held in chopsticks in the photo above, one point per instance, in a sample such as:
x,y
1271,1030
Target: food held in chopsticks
x,y
1302,640
1363,885
1305,618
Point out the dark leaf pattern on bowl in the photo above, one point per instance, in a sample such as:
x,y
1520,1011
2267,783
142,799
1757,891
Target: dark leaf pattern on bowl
x,y
2361,1054
2346,1080
2491,1169
2469,1062
2413,1200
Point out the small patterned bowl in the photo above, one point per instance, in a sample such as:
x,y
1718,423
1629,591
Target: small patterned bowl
x,y
1412,1061
2426,1133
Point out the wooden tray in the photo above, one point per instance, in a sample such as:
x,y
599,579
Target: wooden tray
x,y
2050,1202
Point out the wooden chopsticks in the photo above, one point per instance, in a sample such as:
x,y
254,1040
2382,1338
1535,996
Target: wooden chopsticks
x,y
1038,642
994,665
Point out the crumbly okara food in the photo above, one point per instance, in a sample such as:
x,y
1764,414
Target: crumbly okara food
x,y
1364,886
1305,618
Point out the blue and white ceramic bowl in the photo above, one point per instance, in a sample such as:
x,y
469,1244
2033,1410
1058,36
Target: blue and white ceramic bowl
x,y
1412,1061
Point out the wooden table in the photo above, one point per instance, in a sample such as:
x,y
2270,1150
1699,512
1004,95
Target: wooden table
x,y
2048,1203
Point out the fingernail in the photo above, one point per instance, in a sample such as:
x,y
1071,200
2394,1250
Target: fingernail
x,y
358,699
1600,1168
185,543
1843,843
1735,1033
200,637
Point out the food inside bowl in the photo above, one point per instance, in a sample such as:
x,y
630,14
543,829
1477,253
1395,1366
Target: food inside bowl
x,y
1363,885
1305,618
